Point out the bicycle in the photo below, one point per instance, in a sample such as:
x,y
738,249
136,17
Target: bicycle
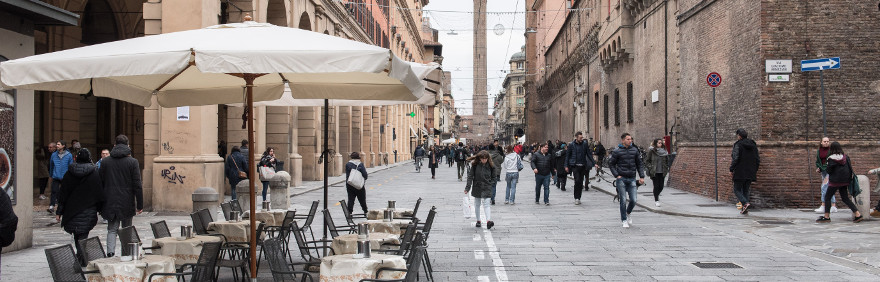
x,y
418,163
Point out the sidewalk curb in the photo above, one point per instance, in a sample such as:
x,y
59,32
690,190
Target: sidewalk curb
x,y
307,190
687,214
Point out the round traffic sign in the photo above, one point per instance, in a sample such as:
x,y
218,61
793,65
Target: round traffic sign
x,y
713,79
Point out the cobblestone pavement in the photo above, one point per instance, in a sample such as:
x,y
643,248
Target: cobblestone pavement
x,y
567,242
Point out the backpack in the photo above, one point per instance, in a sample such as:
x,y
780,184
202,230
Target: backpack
x,y
460,155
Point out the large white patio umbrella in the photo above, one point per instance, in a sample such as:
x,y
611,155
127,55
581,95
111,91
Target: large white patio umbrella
x,y
213,65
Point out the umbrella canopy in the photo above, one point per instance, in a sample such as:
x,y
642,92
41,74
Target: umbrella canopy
x,y
223,64
189,68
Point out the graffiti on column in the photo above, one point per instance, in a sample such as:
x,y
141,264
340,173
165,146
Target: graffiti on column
x,y
171,176
167,147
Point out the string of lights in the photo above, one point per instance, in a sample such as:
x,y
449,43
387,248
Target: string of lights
x,y
465,12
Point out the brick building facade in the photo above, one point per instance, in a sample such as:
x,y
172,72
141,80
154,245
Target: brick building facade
x,y
785,118
640,66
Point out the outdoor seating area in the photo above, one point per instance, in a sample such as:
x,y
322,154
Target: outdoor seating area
x,y
209,249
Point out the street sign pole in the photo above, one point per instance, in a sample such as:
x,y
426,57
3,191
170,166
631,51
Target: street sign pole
x,y
824,122
715,122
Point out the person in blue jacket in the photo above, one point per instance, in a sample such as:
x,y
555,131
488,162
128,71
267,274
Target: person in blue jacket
x,y
60,160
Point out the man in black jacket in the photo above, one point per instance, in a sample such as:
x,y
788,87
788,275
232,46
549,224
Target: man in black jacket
x,y
625,163
123,190
461,155
744,163
579,161
543,165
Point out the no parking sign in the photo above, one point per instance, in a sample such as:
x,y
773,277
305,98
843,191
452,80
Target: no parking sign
x,y
713,79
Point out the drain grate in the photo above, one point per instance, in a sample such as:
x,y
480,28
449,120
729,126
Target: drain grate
x,y
777,222
716,265
680,193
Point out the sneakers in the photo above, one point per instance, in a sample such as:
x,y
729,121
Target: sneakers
x,y
493,202
478,224
657,204
537,203
745,209
858,219
823,219
547,203
506,202
629,219
42,197
110,255
625,224
51,210
875,213
833,209
512,203
563,188
820,209
577,201
489,224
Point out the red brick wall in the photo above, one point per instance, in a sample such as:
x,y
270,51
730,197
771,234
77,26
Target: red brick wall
x,y
787,176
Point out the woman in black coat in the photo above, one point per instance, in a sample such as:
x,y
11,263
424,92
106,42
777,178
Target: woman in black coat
x,y
267,160
434,157
235,163
839,175
480,178
355,166
80,199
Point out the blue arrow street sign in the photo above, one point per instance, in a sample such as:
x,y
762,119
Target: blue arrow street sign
x,y
820,64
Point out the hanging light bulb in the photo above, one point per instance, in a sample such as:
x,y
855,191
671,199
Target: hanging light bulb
x,y
452,32
499,29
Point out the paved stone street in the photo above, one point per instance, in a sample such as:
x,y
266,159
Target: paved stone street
x,y
565,242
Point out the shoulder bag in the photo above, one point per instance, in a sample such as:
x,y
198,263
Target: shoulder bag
x,y
355,179
241,174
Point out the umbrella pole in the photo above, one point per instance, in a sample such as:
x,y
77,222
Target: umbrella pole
x,y
249,82
326,164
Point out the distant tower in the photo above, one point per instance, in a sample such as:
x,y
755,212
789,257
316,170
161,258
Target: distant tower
x,y
481,99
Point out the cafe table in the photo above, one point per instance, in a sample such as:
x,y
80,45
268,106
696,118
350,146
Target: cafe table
x,y
114,269
234,231
343,268
398,213
347,244
182,250
271,217
396,226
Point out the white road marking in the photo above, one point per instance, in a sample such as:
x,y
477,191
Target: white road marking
x,y
477,237
500,272
483,279
479,254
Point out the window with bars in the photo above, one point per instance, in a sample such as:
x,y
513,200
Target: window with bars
x,y
616,107
629,102
605,113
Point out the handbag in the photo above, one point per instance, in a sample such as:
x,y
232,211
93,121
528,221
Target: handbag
x,y
854,189
355,179
466,208
519,165
266,173
241,174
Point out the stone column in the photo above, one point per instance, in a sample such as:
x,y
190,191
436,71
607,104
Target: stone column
x,y
278,133
383,136
376,155
367,138
295,162
344,133
335,158
356,132
310,142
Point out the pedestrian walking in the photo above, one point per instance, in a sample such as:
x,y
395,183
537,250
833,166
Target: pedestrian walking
x,y
80,199
542,164
434,158
267,162
353,192
657,162
821,166
8,223
625,163
579,161
497,161
244,148
480,178
512,165
840,174
235,169
461,156
561,173
744,163
600,157
450,152
58,164
104,153
42,155
123,190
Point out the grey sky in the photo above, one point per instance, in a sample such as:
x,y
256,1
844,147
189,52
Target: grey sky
x,y
458,49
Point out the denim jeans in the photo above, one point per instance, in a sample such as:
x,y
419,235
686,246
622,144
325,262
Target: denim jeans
x,y
265,189
741,189
626,185
486,203
112,229
494,188
825,188
512,178
545,181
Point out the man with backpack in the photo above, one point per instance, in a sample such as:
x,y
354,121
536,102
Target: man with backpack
x,y
461,155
